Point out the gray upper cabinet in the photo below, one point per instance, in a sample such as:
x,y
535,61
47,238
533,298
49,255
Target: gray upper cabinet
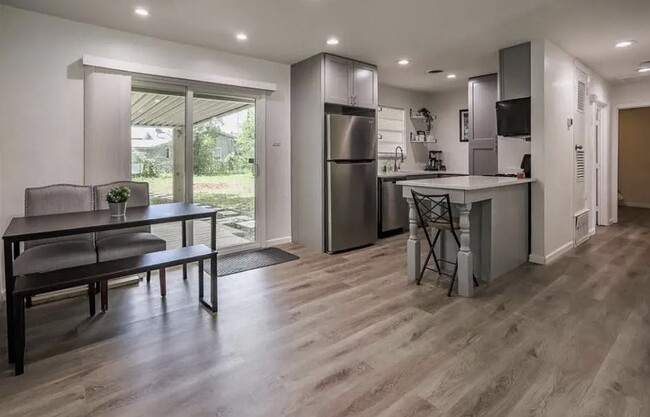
x,y
350,83
514,72
338,80
364,91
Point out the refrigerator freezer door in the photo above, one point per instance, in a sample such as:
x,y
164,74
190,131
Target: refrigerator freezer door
x,y
351,205
351,137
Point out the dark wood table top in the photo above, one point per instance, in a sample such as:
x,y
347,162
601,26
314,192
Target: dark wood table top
x,y
54,225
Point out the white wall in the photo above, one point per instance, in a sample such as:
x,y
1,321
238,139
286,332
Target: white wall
x,y
416,153
510,153
446,106
552,103
630,94
41,80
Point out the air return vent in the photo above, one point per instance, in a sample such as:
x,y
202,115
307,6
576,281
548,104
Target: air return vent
x,y
582,96
580,165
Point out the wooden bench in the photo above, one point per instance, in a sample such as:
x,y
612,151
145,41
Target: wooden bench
x,y
34,284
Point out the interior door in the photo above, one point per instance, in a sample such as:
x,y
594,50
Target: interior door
x,y
483,158
580,203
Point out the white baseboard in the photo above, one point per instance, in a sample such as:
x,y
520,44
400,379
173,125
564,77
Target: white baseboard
x,y
536,259
551,257
278,241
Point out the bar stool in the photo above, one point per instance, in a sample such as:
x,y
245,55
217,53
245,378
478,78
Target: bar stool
x,y
434,212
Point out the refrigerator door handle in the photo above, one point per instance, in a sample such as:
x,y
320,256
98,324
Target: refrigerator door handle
x,y
357,161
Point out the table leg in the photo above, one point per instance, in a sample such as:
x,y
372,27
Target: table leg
x,y
184,242
214,300
9,293
213,263
201,276
465,262
19,335
412,245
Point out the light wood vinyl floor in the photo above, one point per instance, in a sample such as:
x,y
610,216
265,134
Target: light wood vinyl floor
x,y
346,336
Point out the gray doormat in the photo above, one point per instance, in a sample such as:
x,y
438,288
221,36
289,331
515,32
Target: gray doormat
x,y
245,261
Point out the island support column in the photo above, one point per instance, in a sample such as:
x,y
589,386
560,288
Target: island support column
x,y
465,262
412,245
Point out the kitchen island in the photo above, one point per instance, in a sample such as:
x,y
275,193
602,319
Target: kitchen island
x,y
494,225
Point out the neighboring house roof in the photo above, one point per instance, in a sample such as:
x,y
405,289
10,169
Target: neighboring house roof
x,y
138,142
148,143
163,110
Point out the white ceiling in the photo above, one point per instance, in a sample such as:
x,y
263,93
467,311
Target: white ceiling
x,y
460,36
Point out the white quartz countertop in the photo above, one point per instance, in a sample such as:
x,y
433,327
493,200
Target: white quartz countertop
x,y
465,183
414,173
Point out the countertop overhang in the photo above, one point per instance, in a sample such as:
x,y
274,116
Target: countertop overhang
x,y
465,183
414,173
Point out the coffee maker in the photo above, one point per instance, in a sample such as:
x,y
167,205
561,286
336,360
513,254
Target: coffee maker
x,y
435,161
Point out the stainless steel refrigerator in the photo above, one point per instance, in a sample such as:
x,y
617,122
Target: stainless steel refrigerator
x,y
350,182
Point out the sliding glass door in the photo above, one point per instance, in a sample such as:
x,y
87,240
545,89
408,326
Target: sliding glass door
x,y
223,167
157,150
199,147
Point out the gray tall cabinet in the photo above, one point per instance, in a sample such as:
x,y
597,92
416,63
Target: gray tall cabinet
x,y
320,84
482,98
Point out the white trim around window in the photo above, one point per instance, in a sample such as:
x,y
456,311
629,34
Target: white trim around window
x,y
391,129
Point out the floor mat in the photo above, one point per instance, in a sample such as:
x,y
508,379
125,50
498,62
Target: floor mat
x,y
245,261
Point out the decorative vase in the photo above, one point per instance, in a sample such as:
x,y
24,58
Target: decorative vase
x,y
117,209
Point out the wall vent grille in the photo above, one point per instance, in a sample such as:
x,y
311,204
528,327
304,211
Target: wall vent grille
x,y
582,96
581,228
580,165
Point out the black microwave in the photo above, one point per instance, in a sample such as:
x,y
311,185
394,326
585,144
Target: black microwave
x,y
513,117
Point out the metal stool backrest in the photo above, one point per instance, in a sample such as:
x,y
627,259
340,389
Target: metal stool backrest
x,y
434,211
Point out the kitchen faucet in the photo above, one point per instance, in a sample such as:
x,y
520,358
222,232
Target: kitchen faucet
x,y
401,151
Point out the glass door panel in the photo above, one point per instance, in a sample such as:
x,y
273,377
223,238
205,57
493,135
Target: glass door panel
x,y
157,151
223,168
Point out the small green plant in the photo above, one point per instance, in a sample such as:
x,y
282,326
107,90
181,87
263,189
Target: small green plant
x,y
428,118
118,195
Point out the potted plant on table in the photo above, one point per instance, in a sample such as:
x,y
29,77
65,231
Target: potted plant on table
x,y
117,198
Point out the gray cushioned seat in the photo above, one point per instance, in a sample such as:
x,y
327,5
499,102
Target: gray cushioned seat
x,y
124,245
52,256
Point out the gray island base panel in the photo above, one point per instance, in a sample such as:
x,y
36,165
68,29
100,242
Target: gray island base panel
x,y
494,222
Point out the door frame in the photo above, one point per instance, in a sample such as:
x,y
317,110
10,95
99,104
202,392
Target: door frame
x,y
260,98
615,139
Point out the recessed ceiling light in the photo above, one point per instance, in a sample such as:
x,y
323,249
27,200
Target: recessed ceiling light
x,y
332,41
241,36
451,76
643,69
141,11
624,44
403,62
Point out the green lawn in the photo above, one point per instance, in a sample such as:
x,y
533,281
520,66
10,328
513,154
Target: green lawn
x,y
235,192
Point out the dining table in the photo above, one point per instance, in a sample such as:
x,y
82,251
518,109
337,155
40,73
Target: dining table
x,y
22,229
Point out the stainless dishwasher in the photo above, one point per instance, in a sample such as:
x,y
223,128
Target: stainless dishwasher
x,y
393,208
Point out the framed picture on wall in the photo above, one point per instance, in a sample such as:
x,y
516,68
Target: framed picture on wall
x,y
463,121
